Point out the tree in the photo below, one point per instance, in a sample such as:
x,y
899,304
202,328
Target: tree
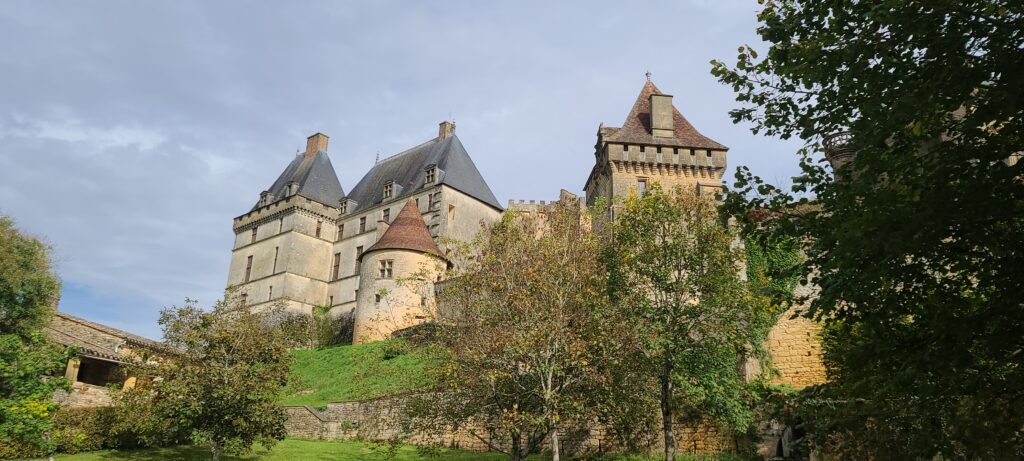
x,y
914,236
674,269
28,295
222,386
525,328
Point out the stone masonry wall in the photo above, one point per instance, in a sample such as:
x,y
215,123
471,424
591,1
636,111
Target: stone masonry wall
x,y
382,420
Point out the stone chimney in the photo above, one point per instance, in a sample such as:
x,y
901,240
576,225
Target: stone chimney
x,y
662,125
445,130
316,143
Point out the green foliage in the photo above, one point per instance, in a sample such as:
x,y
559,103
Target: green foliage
x,y
526,331
321,329
673,270
28,292
222,386
358,372
915,243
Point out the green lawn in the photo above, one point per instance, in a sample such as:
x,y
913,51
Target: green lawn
x,y
357,372
319,450
287,450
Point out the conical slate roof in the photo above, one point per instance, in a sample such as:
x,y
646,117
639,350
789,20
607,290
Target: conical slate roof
x,y
407,232
637,127
315,177
408,170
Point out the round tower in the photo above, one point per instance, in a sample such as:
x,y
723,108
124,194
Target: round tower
x,y
397,275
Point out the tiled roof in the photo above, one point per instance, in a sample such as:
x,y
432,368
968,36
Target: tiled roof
x,y
315,177
407,232
637,127
95,339
408,171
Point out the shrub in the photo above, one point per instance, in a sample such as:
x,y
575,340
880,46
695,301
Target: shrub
x,y
82,429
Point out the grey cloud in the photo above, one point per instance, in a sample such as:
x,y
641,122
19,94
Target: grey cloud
x,y
131,133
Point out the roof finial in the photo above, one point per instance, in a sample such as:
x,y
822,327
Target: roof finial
x,y
377,160
648,74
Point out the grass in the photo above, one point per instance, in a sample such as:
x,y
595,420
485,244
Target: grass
x,y
357,372
288,450
320,450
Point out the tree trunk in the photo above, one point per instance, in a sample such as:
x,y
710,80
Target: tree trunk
x,y
517,446
666,410
215,448
554,444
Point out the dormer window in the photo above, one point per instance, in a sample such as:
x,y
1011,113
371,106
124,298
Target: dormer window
x,y
389,189
343,206
265,198
431,175
292,188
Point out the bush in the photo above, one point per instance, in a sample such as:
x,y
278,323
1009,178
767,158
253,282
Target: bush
x,y
82,429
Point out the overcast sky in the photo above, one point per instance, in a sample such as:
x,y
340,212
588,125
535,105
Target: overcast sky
x,y
131,133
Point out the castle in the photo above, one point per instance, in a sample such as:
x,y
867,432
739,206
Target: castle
x,y
307,243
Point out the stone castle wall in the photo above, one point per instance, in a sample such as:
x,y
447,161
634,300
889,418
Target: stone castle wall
x,y
384,419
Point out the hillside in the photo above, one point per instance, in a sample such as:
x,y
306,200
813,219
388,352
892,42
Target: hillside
x,y
357,372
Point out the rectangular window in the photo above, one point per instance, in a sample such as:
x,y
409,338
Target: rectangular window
x,y
319,224
253,235
359,254
336,266
248,268
641,187
362,224
431,175
709,152
451,213
693,151
389,189
417,202
271,294
385,269
386,215
330,300
274,270
280,225
376,297
341,232
344,206
245,298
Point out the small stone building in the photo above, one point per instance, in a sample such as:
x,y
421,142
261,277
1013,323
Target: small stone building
x,y
101,353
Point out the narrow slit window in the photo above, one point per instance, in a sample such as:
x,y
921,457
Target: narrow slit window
x,y
641,187
274,269
248,268
359,254
386,215
336,266
341,232
271,294
362,224
319,225
253,240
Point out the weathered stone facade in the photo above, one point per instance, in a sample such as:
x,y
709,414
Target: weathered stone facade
x,y
302,242
385,419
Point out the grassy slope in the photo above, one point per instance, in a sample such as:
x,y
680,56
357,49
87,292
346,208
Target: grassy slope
x,y
356,372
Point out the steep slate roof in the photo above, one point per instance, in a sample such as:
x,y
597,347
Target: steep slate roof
x,y
408,170
407,232
316,179
637,127
95,339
